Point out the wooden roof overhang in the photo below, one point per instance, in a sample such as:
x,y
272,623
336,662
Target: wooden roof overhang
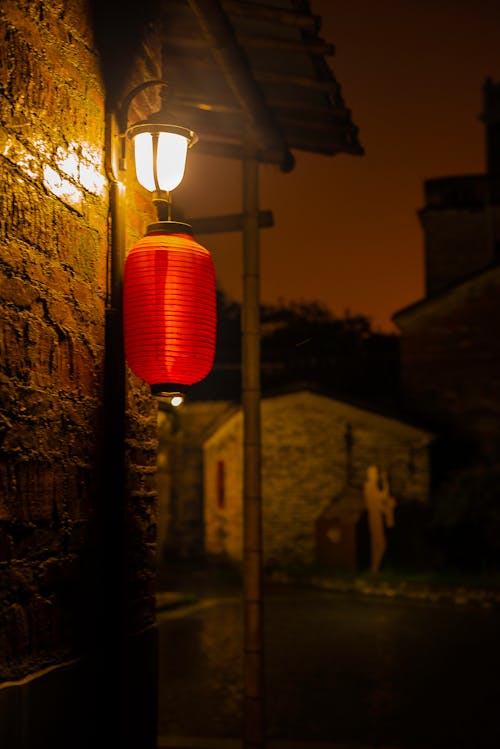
x,y
238,69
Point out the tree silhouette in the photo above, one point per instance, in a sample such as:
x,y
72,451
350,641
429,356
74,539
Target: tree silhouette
x,y
303,341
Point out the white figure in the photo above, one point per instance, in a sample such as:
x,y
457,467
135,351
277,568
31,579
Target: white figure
x,y
380,506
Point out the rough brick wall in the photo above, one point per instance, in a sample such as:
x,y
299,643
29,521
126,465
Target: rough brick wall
x,y
141,512
303,468
53,235
450,356
77,506
54,252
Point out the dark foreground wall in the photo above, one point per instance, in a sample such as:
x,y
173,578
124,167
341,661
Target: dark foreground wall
x,y
77,533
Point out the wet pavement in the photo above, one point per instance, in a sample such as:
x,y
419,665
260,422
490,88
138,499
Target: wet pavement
x,y
340,668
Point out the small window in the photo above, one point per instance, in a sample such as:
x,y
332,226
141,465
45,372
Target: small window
x,y
221,485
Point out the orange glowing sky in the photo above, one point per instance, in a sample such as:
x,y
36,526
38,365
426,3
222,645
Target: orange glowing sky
x,y
346,231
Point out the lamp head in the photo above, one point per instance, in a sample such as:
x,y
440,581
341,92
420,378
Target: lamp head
x,y
160,148
160,152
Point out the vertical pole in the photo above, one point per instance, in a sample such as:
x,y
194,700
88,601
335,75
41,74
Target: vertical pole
x,y
253,661
110,514
129,660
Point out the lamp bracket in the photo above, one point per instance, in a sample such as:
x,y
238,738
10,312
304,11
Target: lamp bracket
x,y
155,123
123,111
169,227
163,203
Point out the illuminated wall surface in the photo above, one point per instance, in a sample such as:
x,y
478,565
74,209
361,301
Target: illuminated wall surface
x,y
54,229
54,207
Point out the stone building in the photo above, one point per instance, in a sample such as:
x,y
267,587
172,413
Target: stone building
x,y
450,358
314,449
181,434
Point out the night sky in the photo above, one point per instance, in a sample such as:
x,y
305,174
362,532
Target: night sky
x,y
346,230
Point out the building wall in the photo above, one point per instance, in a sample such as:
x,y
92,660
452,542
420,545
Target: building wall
x,y
54,208
181,432
450,365
450,357
303,468
223,509
459,241
55,476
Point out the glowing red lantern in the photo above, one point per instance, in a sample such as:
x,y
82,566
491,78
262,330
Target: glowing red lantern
x,y
169,309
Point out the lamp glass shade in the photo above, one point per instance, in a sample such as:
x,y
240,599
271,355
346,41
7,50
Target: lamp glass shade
x,y
170,160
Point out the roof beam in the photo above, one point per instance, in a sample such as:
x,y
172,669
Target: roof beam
x,y
310,46
313,109
329,85
267,76
234,65
210,124
221,106
212,120
234,150
229,223
327,124
204,104
273,14
346,144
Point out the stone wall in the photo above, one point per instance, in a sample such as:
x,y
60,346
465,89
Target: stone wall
x,y
223,509
77,539
450,357
304,468
181,433
54,209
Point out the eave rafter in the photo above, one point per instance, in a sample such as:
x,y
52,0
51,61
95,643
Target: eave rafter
x,y
183,56
312,46
273,15
240,68
234,65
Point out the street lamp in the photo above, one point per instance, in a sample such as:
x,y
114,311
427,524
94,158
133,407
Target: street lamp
x,y
160,151
160,156
169,297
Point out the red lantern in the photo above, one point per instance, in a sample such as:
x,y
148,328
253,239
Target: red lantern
x,y
169,309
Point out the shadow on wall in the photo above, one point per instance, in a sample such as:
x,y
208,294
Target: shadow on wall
x,y
119,33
